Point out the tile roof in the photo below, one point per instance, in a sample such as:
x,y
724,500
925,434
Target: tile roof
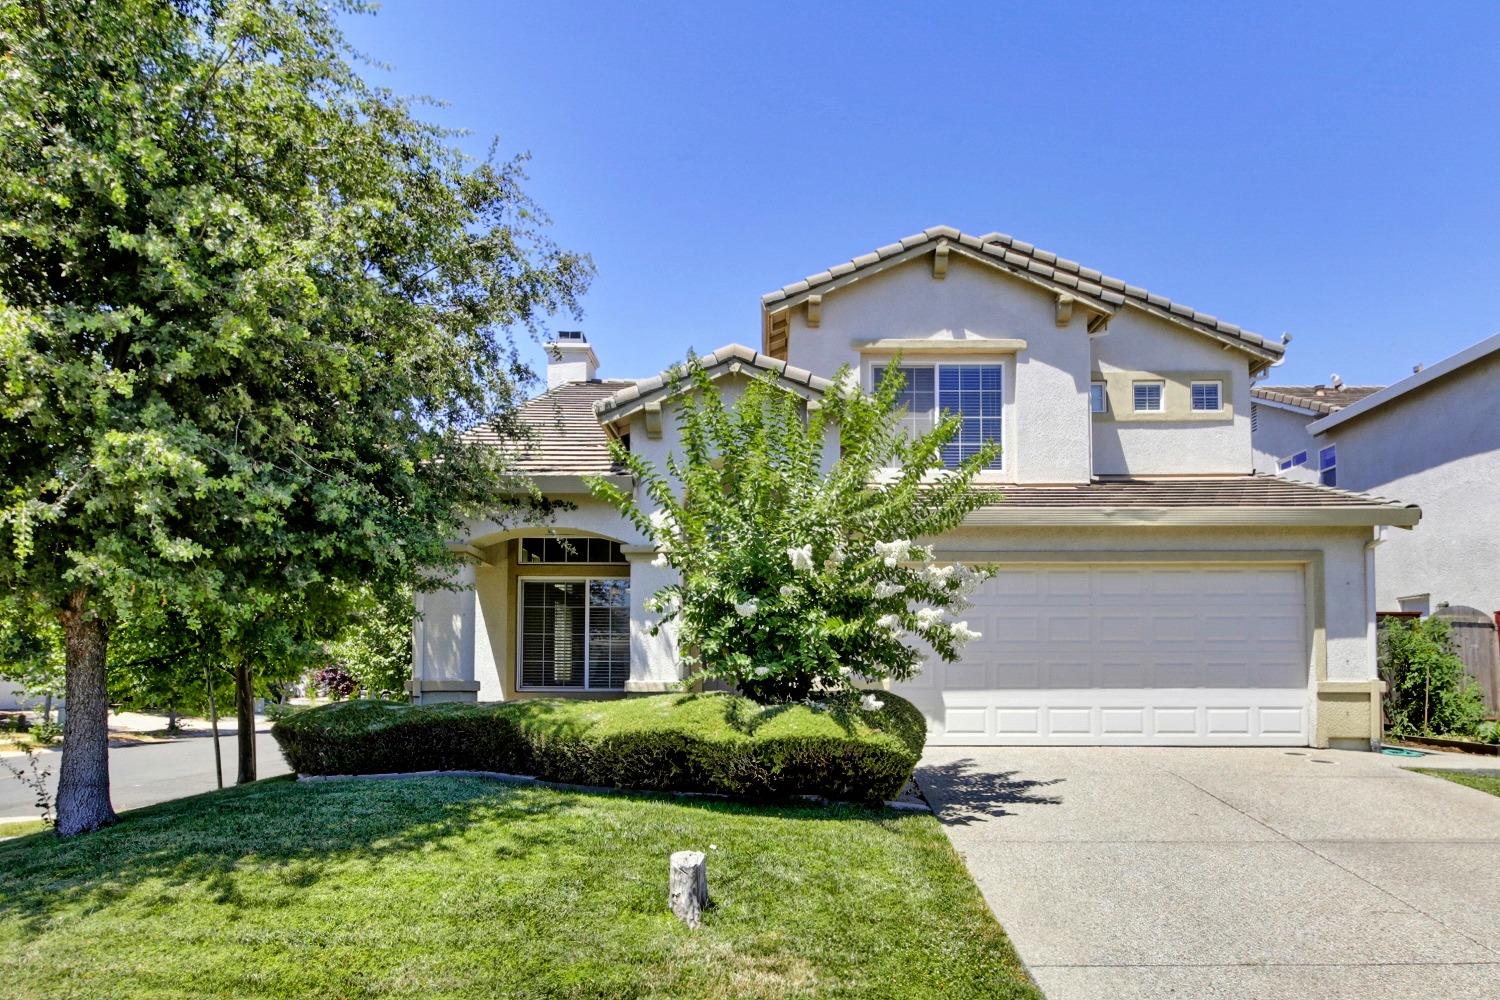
x,y
646,389
1065,275
1246,491
1316,398
567,439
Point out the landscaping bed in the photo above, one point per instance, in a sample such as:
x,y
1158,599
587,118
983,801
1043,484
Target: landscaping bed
x,y
715,743
458,887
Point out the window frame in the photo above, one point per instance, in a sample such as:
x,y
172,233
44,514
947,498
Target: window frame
x,y
1296,460
1329,471
1161,395
1103,389
610,544
1218,387
878,367
520,631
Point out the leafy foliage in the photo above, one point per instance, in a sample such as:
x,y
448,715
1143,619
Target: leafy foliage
x,y
1428,692
250,306
375,643
698,743
793,533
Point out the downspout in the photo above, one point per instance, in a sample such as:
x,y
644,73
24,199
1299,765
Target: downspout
x,y
1377,720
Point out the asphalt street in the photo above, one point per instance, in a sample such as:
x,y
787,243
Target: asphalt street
x,y
147,773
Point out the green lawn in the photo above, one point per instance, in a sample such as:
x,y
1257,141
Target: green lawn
x,y
461,887
1484,782
21,827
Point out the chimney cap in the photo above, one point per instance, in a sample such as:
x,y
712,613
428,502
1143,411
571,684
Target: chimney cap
x,y
573,336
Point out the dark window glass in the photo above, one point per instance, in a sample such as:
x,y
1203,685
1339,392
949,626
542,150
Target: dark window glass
x,y
552,622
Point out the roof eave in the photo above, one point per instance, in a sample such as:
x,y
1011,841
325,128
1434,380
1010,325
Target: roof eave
x,y
1412,382
1016,515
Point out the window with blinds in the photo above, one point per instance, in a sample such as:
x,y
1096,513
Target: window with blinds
x,y
575,634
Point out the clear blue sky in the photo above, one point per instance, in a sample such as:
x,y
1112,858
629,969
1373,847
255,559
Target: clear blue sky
x,y
1330,170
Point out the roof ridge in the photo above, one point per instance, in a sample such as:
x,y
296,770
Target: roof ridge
x,y
661,382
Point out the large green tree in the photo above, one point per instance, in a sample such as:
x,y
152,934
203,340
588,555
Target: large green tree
x,y
249,306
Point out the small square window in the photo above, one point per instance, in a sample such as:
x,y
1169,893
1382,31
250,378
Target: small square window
x,y
1148,397
1206,397
1292,461
1098,398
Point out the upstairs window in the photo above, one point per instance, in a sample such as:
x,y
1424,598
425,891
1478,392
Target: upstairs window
x,y
1328,473
1148,397
974,392
1292,461
1098,398
1206,397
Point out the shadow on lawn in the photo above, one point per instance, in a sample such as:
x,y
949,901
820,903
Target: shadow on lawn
x,y
961,792
302,833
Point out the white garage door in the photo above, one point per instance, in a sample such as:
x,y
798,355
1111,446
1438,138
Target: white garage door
x,y
1162,654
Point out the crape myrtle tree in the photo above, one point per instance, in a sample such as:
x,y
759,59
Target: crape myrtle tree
x,y
250,305
793,530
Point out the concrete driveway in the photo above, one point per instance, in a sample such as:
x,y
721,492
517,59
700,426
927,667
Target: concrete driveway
x,y
1124,872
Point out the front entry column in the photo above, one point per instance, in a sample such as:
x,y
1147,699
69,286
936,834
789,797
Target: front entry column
x,y
654,661
443,642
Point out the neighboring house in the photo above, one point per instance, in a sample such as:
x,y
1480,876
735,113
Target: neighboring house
x,y
1153,590
1432,438
1279,416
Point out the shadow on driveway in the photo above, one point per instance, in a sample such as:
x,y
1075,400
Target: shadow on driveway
x,y
962,791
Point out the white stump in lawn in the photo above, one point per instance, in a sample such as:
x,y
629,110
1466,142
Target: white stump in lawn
x,y
687,887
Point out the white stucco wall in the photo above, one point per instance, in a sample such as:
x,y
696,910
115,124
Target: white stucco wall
x,y
1125,444
1438,447
1045,418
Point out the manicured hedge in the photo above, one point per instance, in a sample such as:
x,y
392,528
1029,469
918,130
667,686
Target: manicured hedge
x,y
681,742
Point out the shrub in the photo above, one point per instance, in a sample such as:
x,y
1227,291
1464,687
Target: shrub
x,y
1427,691
719,743
336,682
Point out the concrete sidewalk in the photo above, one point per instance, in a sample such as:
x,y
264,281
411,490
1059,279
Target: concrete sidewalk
x,y
1132,872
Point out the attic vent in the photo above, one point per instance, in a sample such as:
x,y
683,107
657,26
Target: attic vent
x,y
1254,417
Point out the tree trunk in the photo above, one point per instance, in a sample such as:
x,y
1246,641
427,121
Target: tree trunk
x,y
47,709
244,703
213,718
687,886
83,778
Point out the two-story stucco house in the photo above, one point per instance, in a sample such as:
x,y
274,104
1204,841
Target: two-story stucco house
x,y
1153,589
1432,438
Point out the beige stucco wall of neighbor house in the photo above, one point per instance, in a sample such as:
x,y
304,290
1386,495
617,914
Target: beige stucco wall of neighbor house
x,y
1139,346
1045,412
1439,447
1339,584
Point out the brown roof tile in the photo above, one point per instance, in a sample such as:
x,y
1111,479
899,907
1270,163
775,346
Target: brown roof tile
x,y
1317,398
1249,491
567,438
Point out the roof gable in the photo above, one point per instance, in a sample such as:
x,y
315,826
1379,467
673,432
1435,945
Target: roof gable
x,y
1082,285
728,360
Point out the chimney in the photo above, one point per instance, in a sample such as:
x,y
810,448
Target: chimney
x,y
570,359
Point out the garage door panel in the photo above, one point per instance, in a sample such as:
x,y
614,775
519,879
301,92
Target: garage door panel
x,y
1114,654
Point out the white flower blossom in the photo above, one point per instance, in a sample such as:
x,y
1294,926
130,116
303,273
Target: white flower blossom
x,y
870,703
892,622
762,671
962,632
836,557
846,670
893,552
746,608
884,589
922,552
787,591
801,558
928,617
661,561
938,574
